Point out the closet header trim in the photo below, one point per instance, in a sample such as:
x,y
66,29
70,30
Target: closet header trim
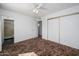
x,y
64,15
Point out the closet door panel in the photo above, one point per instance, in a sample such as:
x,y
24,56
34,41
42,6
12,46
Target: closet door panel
x,y
53,30
69,31
0,33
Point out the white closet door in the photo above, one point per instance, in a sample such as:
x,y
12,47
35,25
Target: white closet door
x,y
69,31
0,33
53,30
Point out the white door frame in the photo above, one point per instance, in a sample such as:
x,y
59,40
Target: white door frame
x,y
1,32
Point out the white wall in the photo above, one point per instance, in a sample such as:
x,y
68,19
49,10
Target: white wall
x,y
69,27
63,12
44,28
25,27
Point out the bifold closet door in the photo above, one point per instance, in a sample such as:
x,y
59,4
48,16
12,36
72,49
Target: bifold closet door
x,y
69,31
53,30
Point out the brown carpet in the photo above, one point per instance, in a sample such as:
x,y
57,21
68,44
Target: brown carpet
x,y
41,47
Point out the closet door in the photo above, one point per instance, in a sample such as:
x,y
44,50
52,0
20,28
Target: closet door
x,y
69,31
53,30
0,33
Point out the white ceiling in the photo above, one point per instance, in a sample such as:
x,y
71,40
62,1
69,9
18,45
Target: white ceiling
x,y
27,8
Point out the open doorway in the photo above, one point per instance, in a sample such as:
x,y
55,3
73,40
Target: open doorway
x,y
8,31
40,29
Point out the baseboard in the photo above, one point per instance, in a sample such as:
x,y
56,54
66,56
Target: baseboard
x,y
24,39
60,43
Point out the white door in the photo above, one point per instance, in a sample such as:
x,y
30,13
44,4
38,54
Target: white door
x,y
53,30
69,31
0,33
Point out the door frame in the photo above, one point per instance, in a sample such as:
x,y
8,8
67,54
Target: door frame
x,y
2,31
8,18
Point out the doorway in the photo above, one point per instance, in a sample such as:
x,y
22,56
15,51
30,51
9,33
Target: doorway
x,y
40,29
8,32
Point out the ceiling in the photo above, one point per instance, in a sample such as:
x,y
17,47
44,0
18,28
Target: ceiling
x,y
27,8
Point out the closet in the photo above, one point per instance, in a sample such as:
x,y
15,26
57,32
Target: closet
x,y
64,30
8,28
8,31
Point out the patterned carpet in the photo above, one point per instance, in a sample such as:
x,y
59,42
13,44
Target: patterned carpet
x,y
40,46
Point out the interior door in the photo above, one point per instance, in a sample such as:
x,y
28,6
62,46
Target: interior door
x,y
53,30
